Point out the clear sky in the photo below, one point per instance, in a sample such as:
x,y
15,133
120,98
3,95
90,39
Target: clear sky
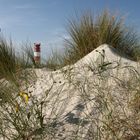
x,y
45,21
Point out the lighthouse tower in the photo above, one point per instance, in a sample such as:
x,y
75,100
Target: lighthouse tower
x,y
37,53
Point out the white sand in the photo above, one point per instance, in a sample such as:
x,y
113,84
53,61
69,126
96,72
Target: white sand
x,y
73,92
68,86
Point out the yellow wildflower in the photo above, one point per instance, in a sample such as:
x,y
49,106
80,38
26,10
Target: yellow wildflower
x,y
25,96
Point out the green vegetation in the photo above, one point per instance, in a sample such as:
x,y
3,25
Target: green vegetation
x,y
29,54
87,33
8,60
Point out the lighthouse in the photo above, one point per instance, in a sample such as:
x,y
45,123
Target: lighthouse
x,y
37,53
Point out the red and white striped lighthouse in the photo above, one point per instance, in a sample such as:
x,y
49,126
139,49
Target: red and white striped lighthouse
x,y
37,53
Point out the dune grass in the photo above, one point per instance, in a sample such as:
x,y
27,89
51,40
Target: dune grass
x,y
29,54
87,33
8,60
55,60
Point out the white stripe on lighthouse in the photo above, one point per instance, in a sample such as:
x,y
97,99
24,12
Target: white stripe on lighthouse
x,y
36,54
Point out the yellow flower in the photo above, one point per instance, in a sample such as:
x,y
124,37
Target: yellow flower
x,y
25,96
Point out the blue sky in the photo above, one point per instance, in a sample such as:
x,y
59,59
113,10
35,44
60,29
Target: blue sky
x,y
46,21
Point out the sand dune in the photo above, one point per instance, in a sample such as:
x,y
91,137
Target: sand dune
x,y
73,91
79,98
